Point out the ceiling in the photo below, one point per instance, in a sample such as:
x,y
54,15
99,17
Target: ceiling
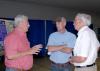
x,y
82,5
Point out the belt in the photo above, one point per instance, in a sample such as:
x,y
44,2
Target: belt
x,y
60,65
85,66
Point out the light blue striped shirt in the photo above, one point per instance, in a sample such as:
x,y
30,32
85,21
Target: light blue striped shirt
x,y
58,38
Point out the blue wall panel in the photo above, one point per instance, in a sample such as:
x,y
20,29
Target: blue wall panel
x,y
50,28
36,34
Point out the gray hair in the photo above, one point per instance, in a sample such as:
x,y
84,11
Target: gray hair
x,y
19,18
85,18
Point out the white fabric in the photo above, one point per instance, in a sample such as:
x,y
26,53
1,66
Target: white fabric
x,y
86,46
92,68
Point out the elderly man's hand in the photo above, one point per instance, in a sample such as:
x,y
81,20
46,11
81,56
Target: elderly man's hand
x,y
39,45
35,49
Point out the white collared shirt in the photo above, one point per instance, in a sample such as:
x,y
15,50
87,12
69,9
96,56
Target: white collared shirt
x,y
86,46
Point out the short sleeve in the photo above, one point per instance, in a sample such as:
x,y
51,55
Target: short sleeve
x,y
97,43
10,46
72,41
50,41
84,45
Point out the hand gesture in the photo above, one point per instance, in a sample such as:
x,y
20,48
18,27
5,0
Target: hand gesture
x,y
36,49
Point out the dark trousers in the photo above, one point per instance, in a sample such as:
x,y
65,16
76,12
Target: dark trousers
x,y
61,67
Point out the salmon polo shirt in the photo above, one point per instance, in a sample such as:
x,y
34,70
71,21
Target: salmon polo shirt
x,y
16,42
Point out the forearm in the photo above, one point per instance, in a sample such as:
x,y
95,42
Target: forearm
x,y
66,50
55,48
19,54
78,59
34,50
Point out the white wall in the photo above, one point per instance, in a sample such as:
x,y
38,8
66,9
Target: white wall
x,y
34,11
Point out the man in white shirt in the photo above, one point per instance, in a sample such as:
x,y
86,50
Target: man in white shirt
x,y
86,47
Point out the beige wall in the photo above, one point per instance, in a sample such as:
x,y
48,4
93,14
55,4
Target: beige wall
x,y
34,11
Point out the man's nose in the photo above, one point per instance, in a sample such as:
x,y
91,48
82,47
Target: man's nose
x,y
28,25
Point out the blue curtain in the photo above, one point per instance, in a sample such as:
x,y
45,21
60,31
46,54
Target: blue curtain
x,y
36,34
50,28
70,27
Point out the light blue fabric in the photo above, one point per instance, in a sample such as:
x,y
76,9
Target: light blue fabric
x,y
10,69
58,38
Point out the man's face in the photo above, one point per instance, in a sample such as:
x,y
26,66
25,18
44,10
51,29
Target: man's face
x,y
77,23
25,25
60,25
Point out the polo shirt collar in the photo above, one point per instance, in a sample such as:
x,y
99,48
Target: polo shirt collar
x,y
82,29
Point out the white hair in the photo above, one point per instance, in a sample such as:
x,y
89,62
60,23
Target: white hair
x,y
85,18
19,18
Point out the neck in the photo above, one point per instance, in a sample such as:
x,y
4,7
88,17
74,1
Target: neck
x,y
20,30
81,27
62,31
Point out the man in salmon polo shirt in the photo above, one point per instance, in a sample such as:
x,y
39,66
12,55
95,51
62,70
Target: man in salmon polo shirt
x,y
18,54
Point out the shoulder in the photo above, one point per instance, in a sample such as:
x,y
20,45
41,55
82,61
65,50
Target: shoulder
x,y
53,34
71,34
87,32
10,37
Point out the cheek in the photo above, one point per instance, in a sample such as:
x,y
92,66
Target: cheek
x,y
60,27
57,26
25,26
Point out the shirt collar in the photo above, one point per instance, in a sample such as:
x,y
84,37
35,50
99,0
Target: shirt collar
x,y
82,29
62,33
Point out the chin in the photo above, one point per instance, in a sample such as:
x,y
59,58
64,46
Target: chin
x,y
59,30
75,28
26,30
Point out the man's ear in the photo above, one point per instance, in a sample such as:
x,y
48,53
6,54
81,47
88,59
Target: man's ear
x,y
64,24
